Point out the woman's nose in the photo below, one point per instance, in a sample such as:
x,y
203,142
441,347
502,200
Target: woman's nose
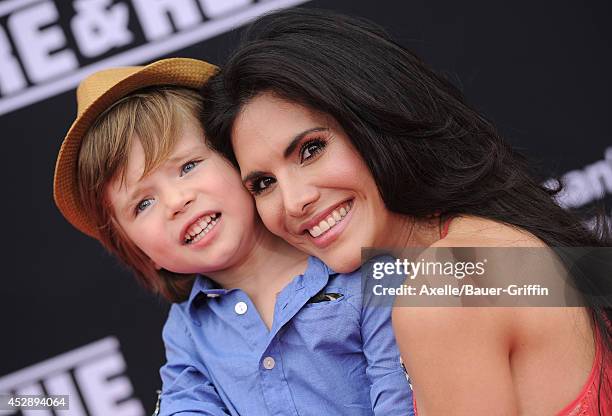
x,y
298,197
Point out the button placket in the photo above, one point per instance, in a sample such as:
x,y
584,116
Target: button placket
x,y
273,379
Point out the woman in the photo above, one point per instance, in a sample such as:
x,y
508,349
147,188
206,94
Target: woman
x,y
347,140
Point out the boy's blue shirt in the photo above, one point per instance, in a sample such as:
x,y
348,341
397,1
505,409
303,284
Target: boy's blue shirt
x,y
334,357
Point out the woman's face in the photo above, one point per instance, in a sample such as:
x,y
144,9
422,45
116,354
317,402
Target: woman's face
x,y
310,185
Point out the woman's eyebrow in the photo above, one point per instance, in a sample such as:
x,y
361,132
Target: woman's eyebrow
x,y
294,142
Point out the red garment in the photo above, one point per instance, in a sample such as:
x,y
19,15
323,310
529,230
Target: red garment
x,y
596,394
444,230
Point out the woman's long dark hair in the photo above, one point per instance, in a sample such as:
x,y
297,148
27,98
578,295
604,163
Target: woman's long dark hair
x,y
428,151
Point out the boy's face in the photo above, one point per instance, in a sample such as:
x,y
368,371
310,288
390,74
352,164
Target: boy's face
x,y
189,215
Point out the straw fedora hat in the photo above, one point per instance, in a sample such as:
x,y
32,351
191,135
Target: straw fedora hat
x,y
94,95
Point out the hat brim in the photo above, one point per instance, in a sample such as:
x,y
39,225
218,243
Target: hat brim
x,y
180,72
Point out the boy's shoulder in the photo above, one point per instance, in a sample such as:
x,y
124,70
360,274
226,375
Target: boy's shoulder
x,y
182,310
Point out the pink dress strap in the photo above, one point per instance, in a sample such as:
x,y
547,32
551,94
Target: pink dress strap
x,y
444,228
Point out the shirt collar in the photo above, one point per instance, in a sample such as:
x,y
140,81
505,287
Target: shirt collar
x,y
203,287
316,275
314,279
303,287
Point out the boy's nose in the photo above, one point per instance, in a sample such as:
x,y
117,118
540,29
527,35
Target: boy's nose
x,y
178,201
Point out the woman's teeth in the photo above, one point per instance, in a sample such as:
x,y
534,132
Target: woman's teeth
x,y
328,223
200,228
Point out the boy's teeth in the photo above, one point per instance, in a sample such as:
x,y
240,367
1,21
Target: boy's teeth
x,y
200,228
334,218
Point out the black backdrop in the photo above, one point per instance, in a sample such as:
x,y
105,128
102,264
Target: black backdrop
x,y
540,70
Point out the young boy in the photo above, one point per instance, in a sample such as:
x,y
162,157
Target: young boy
x,y
135,172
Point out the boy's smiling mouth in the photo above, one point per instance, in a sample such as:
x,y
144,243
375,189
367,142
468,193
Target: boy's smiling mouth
x,y
200,227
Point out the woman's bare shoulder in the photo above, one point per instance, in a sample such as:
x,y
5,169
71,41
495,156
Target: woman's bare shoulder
x,y
469,231
453,322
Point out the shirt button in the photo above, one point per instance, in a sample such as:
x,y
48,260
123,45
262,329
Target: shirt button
x,y
240,308
269,363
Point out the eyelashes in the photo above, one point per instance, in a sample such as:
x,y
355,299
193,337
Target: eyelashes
x,y
142,205
308,151
189,166
311,148
258,185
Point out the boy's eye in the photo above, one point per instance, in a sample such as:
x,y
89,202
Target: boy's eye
x,y
259,185
311,149
142,205
188,167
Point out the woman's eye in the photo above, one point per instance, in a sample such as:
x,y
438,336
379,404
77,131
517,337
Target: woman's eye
x,y
142,205
261,184
188,167
311,149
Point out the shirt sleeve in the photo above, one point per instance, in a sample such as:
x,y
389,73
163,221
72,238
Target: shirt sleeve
x,y
186,390
390,392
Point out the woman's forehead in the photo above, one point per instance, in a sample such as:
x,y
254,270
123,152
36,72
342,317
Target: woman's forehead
x,y
270,118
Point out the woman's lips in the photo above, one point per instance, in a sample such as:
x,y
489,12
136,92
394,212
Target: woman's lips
x,y
329,235
331,220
